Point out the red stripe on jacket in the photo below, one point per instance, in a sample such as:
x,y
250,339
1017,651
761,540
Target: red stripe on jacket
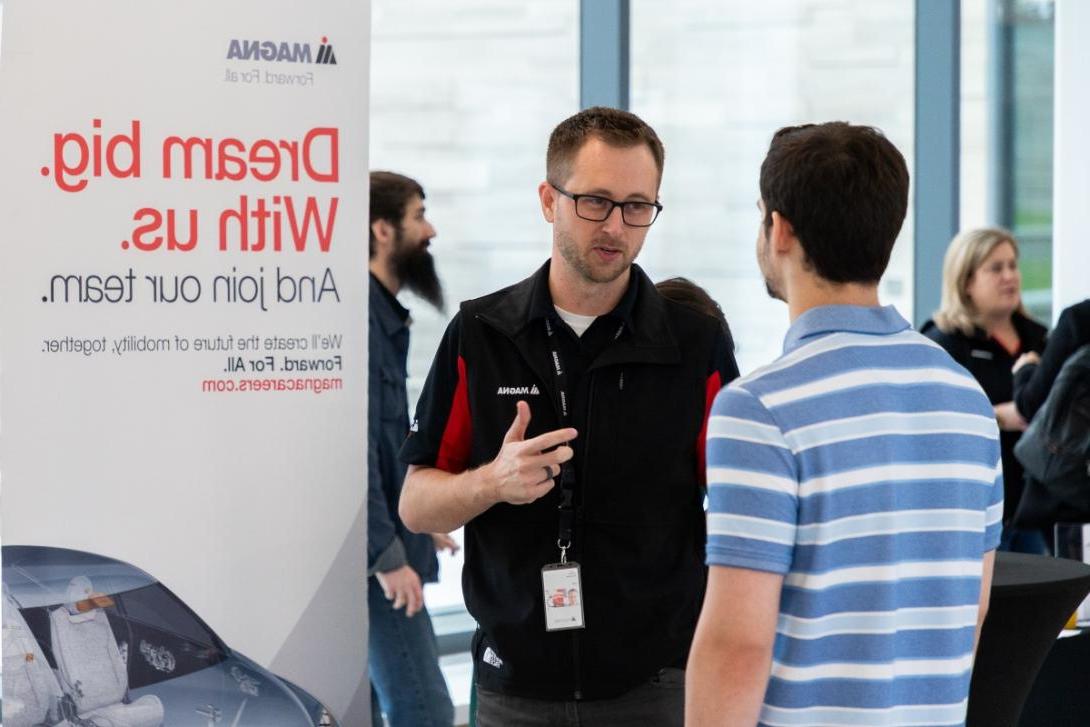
x,y
711,388
457,435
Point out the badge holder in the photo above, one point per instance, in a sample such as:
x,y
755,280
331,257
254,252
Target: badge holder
x,y
563,590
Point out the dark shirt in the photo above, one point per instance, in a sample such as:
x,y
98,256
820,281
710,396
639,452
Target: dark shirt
x,y
390,544
639,401
990,363
577,353
1033,382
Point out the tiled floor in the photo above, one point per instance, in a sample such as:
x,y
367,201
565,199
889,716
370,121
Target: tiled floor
x,y
458,671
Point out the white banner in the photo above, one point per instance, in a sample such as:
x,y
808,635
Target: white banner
x,y
182,352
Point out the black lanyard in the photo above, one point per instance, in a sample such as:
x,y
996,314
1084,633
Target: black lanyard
x,y
566,508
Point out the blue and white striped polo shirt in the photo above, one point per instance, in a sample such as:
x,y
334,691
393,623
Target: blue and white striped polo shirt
x,y
863,465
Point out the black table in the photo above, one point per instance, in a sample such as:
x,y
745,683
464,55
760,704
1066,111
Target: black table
x,y
1032,598
1061,695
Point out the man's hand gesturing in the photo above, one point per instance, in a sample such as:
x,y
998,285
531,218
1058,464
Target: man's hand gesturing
x,y
523,471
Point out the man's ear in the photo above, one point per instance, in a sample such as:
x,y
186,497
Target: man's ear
x,y
547,195
383,232
782,235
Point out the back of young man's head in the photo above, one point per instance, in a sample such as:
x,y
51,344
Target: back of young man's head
x,y
613,126
390,194
844,189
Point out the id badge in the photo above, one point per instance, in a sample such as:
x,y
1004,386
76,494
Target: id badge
x,y
563,591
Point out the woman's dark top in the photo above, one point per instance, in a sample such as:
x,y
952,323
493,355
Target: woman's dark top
x,y
990,364
1033,382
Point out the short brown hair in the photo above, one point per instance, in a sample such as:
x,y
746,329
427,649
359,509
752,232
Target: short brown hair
x,y
613,126
844,189
390,194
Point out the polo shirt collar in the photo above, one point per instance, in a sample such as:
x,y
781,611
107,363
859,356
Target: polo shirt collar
x,y
826,319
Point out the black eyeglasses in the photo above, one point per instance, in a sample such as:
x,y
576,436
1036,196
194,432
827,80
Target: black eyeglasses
x,y
598,209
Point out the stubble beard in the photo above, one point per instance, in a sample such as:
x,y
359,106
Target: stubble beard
x,y
582,265
771,287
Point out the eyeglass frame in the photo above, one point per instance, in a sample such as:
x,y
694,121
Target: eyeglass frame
x,y
613,205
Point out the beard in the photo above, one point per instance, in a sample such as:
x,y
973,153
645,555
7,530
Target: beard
x,y
581,263
414,266
773,291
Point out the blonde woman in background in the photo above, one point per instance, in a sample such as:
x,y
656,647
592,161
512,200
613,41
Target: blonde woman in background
x,y
983,325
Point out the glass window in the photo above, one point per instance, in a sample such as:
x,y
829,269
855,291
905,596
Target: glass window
x,y
1006,131
978,130
157,636
160,637
463,97
1028,204
157,608
716,80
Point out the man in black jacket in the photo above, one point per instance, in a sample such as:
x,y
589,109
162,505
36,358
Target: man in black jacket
x,y
402,653
563,424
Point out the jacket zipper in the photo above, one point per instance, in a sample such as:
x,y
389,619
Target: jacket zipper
x,y
577,692
577,638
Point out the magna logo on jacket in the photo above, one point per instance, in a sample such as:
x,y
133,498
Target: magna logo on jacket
x,y
518,391
269,50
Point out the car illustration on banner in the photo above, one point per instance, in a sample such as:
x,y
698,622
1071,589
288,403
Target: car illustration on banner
x,y
89,641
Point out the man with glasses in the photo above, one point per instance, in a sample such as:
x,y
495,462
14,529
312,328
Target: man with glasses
x,y
563,425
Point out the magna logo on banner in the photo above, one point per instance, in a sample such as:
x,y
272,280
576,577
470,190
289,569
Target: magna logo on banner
x,y
270,50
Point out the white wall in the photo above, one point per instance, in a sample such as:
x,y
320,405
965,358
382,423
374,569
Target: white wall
x,y
1070,251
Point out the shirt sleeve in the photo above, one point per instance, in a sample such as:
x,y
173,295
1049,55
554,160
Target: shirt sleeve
x,y
381,530
752,486
722,370
441,433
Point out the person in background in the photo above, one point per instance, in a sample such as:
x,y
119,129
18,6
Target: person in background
x,y
982,323
851,530
689,294
403,657
1034,375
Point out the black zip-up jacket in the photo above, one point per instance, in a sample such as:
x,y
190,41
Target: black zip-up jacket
x,y
640,402
1032,382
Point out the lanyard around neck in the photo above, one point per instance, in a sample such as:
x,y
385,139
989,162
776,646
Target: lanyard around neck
x,y
566,508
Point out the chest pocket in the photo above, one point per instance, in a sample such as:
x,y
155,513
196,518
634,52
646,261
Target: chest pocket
x,y
395,405
642,451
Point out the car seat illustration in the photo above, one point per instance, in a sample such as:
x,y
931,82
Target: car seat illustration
x,y
32,695
89,641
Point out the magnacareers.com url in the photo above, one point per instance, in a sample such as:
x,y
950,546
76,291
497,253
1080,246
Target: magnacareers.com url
x,y
313,384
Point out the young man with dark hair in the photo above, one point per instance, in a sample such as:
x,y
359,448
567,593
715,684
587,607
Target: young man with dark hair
x,y
402,655
845,190
563,424
855,490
